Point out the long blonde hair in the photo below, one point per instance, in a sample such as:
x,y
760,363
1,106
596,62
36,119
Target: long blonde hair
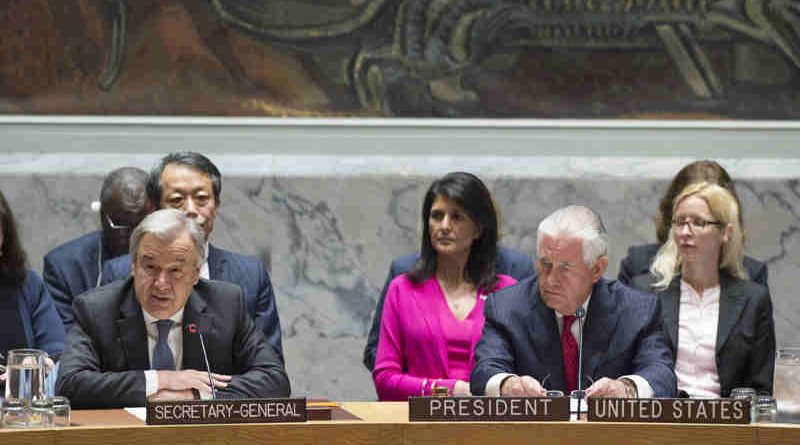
x,y
724,208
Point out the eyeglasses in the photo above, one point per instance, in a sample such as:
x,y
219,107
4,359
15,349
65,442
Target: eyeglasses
x,y
694,224
116,226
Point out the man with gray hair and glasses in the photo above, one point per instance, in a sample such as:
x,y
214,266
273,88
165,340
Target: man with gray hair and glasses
x,y
137,339
532,334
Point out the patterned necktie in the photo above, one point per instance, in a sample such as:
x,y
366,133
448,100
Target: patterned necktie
x,y
569,349
162,354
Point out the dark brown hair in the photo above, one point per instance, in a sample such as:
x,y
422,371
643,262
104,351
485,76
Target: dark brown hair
x,y
698,171
12,257
469,192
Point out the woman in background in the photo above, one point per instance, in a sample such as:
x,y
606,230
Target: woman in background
x,y
433,315
28,318
639,258
718,323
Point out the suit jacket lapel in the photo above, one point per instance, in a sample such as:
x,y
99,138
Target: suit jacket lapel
x,y
131,330
670,300
731,305
601,321
216,264
543,335
195,313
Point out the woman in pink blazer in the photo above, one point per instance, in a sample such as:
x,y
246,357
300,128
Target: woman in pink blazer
x,y
433,315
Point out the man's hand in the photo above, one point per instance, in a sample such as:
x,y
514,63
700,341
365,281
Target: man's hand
x,y
189,379
461,388
168,394
607,387
522,386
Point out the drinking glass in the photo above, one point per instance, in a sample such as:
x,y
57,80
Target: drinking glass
x,y
15,414
746,394
25,369
61,411
786,388
766,410
577,402
41,413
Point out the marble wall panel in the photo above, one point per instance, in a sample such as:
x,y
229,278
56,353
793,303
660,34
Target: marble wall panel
x,y
328,240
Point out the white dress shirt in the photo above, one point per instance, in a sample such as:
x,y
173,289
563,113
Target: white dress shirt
x,y
174,341
204,270
642,386
696,361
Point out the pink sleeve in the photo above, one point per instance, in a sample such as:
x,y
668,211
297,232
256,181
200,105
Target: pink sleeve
x,y
390,382
504,281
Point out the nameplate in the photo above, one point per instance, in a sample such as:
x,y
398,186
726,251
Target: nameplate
x,y
725,411
487,409
186,412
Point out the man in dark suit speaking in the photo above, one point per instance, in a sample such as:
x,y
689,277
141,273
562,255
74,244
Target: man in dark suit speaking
x,y
531,336
136,340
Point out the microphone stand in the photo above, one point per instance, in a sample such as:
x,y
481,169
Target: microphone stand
x,y
208,367
580,313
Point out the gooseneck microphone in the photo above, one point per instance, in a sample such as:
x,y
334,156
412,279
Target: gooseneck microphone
x,y
580,314
193,329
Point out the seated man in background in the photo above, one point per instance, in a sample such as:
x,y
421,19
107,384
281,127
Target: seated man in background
x,y
75,266
191,183
530,339
131,341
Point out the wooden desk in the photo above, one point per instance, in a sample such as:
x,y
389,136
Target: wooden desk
x,y
387,424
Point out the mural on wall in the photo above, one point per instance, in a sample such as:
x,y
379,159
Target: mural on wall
x,y
736,59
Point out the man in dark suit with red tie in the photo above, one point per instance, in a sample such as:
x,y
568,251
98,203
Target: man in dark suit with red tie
x,y
531,337
137,339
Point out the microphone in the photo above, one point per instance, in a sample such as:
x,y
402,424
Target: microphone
x,y
580,314
193,329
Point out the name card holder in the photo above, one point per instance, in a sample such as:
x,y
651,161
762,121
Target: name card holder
x,y
192,412
718,411
488,409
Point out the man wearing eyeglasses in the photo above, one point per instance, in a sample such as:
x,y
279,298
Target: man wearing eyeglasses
x,y
533,331
191,183
76,266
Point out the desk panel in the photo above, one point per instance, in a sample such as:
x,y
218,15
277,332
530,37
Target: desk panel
x,y
387,424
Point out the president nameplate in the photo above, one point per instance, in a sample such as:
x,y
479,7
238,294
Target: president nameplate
x,y
487,409
722,411
188,412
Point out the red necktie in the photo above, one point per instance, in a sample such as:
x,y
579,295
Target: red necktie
x,y
569,348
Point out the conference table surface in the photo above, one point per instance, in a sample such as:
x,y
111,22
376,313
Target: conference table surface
x,y
387,424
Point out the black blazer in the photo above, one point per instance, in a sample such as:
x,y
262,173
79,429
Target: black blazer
x,y
106,353
622,336
638,259
509,262
70,270
745,333
223,265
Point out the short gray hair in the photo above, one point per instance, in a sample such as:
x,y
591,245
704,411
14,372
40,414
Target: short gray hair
x,y
167,225
577,222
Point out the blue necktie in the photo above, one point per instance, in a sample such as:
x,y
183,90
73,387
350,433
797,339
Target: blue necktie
x,y
162,354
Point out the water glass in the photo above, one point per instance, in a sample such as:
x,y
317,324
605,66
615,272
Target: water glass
x,y
746,394
577,402
25,374
766,410
15,414
41,413
61,411
786,387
